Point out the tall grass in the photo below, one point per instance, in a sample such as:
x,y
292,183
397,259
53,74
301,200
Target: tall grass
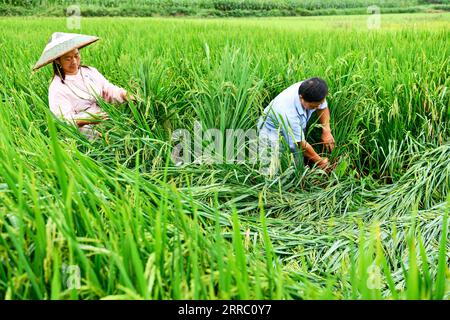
x,y
137,226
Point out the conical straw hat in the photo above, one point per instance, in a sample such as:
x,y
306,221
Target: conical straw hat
x,y
61,43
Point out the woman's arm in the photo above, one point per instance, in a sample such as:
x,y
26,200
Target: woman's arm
x,y
84,118
63,109
110,92
81,123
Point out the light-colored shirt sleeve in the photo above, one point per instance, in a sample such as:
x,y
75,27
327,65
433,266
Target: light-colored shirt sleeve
x,y
62,108
114,92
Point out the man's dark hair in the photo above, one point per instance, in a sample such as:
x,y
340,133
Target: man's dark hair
x,y
313,90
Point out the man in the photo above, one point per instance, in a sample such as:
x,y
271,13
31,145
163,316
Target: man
x,y
289,113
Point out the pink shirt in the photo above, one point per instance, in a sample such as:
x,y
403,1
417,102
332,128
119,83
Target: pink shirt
x,y
76,98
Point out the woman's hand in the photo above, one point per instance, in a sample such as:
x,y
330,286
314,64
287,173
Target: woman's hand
x,y
106,95
125,96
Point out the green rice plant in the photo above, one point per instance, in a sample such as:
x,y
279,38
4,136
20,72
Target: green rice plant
x,y
117,219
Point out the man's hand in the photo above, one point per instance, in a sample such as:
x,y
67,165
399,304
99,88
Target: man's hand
x,y
312,155
323,163
328,140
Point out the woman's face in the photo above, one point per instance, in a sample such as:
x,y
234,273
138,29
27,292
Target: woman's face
x,y
70,62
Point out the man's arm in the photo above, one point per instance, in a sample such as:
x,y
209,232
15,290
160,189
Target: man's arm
x,y
324,119
311,154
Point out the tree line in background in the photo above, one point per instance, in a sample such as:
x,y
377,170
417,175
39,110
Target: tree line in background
x,y
216,7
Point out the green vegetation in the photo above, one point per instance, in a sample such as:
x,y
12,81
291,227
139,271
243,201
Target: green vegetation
x,y
217,8
136,226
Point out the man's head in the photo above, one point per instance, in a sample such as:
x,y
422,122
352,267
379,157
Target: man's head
x,y
312,92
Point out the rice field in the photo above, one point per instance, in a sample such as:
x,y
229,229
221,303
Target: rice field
x,y
118,219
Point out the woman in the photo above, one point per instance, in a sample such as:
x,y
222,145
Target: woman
x,y
75,88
